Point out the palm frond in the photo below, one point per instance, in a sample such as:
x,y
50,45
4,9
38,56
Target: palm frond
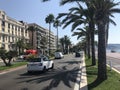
x,y
76,24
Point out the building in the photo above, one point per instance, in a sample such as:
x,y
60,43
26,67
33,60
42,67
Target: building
x,y
37,33
11,31
52,40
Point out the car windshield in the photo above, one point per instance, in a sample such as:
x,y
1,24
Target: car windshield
x,y
35,60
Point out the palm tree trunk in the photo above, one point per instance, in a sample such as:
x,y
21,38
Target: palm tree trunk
x,y
102,74
49,38
88,45
32,38
57,38
91,27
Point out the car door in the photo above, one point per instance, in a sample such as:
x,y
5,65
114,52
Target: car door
x,y
47,62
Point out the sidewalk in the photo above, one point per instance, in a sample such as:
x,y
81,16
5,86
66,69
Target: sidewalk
x,y
83,83
114,61
113,55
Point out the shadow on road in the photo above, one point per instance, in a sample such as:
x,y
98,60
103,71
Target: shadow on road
x,y
54,77
71,62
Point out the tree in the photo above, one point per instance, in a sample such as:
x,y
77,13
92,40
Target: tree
x,y
83,33
56,24
49,19
65,43
7,56
10,55
103,10
62,43
20,45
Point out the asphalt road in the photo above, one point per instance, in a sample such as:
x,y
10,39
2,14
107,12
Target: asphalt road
x,y
62,77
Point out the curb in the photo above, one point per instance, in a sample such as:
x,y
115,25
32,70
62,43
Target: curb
x,y
11,69
83,84
114,69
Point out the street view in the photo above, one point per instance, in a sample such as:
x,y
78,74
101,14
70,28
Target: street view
x,y
59,45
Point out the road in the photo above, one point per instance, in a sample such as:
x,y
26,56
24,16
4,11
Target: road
x,y
62,77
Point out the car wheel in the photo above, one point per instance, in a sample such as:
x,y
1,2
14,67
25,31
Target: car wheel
x,y
44,69
52,66
28,71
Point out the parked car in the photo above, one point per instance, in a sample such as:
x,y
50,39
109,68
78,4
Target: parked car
x,y
77,54
20,58
40,64
59,55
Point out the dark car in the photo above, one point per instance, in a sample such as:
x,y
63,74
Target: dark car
x,y
77,54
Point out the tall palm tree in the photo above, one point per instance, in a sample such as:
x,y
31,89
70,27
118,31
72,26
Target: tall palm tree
x,y
49,19
67,43
78,16
62,43
103,10
56,25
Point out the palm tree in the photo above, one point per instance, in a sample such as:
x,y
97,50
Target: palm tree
x,y
103,10
49,19
67,44
83,33
56,24
20,45
62,43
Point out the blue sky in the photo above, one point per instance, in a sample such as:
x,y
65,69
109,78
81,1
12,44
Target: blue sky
x,y
34,11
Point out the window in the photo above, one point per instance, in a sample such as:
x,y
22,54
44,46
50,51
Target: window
x,y
3,23
8,25
12,32
8,30
26,32
12,39
6,38
3,38
3,16
3,46
3,30
12,26
9,39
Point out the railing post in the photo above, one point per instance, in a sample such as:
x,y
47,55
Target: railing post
x,y
110,63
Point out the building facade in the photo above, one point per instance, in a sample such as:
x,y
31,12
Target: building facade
x,y
39,35
52,40
36,33
11,31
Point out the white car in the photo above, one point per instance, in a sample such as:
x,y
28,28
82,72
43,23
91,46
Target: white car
x,y
40,64
59,55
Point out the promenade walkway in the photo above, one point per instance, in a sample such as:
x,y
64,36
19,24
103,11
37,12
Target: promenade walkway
x,y
113,59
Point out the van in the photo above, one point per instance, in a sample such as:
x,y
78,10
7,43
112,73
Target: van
x,y
59,55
